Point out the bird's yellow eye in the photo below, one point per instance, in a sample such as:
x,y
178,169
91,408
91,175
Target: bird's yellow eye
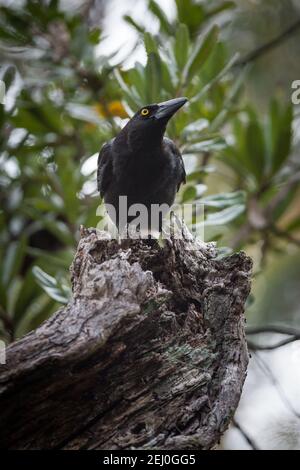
x,y
144,112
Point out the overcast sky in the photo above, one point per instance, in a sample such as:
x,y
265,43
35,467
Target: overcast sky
x,y
120,36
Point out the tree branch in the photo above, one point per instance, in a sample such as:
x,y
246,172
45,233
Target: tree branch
x,y
285,235
267,47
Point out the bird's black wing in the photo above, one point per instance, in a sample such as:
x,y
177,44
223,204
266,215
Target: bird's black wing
x,y
104,169
180,170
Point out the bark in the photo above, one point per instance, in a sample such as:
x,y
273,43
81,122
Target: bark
x,y
150,352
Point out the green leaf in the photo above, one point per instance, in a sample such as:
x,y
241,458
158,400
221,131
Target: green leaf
x,y
13,260
228,5
50,285
230,100
209,145
153,77
182,46
201,53
223,200
255,156
94,36
294,225
136,78
9,76
167,79
134,24
281,135
195,127
2,93
189,194
224,251
25,119
41,307
282,207
225,216
199,174
165,25
57,227
3,295
150,43
69,182
131,100
26,295
215,80
61,259
190,13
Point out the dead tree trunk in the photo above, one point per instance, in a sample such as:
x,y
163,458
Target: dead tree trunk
x,y
150,353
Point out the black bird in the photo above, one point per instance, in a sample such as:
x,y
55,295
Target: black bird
x,y
142,164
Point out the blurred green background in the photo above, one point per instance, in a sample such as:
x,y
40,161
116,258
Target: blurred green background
x,y
74,71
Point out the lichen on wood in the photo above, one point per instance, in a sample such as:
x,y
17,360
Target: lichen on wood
x,y
150,352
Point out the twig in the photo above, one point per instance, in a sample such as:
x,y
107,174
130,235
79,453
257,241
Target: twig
x,y
260,51
282,234
257,347
282,194
283,330
245,435
243,234
247,229
268,372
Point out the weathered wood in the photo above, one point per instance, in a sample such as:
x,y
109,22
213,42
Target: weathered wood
x,y
149,353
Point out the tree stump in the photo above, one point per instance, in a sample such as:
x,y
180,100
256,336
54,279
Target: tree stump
x,y
150,352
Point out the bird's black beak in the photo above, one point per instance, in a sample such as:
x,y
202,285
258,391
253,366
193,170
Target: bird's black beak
x,y
168,108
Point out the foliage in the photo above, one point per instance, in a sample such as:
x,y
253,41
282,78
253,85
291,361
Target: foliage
x,y
64,101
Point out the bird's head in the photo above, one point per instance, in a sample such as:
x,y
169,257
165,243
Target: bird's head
x,y
149,123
